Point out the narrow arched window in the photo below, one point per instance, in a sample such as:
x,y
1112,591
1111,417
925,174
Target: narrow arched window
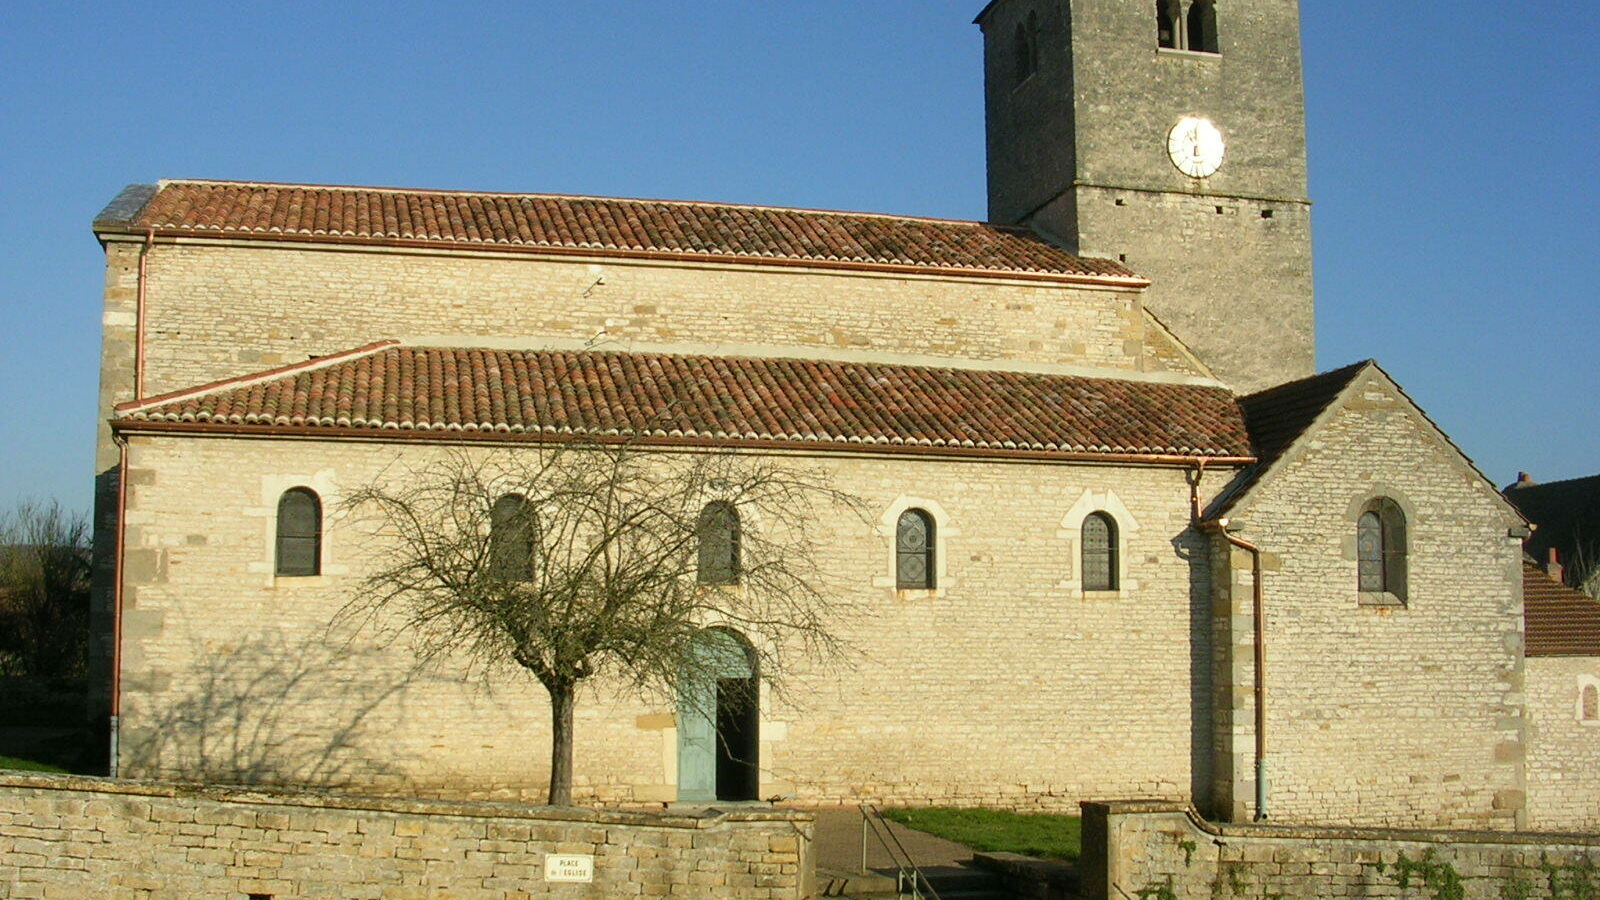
x,y
1381,548
1203,27
718,535
1589,704
511,539
1167,24
299,533
913,551
1026,47
1099,553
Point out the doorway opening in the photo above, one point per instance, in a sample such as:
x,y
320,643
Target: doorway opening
x,y
719,716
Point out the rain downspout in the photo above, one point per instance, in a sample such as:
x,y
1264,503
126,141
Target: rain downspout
x,y
138,313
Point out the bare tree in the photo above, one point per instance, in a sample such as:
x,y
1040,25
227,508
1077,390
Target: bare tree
x,y
1583,569
44,590
577,560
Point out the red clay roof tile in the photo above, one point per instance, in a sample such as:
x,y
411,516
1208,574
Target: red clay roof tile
x,y
735,400
1559,621
599,225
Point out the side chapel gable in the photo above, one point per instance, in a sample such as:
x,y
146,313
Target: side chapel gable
x,y
1285,423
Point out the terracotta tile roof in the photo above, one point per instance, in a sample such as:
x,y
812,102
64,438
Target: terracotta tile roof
x,y
659,398
592,226
1277,416
1567,516
1559,621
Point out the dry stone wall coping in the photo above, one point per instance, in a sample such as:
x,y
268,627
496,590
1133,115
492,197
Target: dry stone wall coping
x,y
702,819
1339,833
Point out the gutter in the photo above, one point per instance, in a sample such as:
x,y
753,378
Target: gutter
x,y
1129,281
452,436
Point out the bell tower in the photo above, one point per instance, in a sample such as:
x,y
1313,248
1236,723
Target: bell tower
x,y
1169,134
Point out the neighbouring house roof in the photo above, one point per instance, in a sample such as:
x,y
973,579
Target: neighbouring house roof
x,y
594,226
387,390
1567,516
1558,620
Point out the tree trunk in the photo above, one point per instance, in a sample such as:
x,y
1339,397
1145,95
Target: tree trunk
x,y
561,700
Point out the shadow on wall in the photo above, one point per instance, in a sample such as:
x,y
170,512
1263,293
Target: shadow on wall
x,y
310,713
1191,546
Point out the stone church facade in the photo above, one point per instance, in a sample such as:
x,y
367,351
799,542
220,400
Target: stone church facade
x,y
1101,403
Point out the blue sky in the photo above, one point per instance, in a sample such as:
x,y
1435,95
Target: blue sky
x,y
1453,162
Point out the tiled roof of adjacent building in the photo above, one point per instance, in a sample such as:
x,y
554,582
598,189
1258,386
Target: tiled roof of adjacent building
x,y
387,390
552,223
1559,621
1567,519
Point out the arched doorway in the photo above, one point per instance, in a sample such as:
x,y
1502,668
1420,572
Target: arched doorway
x,y
719,714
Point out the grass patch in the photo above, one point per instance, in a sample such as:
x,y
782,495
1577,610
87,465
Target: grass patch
x,y
27,765
1045,835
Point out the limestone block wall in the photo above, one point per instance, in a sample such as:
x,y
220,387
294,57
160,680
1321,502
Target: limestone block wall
x,y
1161,850
217,310
1380,712
1563,748
214,311
1008,684
66,837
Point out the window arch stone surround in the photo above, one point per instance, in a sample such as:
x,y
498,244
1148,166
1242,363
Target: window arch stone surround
x,y
1089,502
888,530
271,489
1360,503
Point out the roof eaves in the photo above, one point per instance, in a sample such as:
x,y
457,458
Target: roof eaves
x,y
449,435
1134,282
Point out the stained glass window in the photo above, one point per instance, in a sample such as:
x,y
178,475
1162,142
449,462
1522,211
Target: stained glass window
x,y
1099,553
914,550
299,550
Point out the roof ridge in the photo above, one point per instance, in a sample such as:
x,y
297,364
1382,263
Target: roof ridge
x,y
1350,368
239,381
802,360
458,192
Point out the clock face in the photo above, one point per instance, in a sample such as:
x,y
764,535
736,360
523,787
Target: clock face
x,y
1196,147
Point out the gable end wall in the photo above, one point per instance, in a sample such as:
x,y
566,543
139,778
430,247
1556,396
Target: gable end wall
x,y
1380,715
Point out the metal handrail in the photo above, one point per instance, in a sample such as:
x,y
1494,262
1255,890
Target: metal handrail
x,y
873,819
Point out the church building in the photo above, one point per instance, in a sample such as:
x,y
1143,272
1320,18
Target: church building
x,y
1104,484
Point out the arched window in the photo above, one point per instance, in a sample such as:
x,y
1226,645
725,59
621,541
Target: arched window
x,y
1027,47
1381,548
511,539
1203,27
718,535
299,533
1099,553
913,551
1589,704
1167,24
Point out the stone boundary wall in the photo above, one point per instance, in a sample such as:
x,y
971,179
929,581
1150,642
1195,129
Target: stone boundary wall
x,y
73,837
1157,850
